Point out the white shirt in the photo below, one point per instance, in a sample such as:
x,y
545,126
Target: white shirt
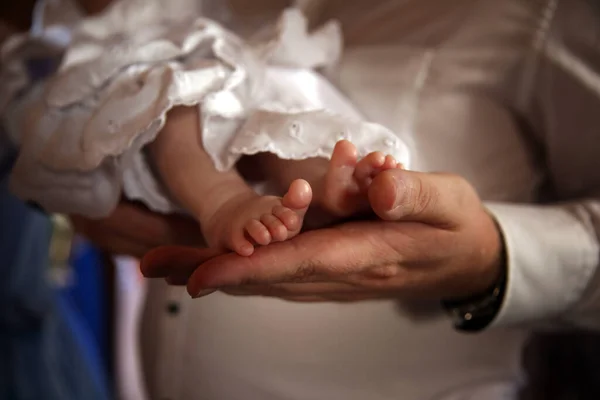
x,y
505,94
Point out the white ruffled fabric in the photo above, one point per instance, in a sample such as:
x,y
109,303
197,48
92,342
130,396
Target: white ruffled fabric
x,y
82,132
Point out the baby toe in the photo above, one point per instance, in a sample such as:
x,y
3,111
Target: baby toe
x,y
258,232
276,228
368,167
344,155
390,162
289,218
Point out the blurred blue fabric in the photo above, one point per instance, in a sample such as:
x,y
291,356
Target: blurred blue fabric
x,y
50,339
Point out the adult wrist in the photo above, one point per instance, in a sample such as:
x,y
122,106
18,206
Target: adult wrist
x,y
476,312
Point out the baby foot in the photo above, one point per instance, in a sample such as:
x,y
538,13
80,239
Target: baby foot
x,y
245,221
346,183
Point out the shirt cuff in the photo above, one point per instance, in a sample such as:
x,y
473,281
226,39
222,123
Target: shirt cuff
x,y
551,257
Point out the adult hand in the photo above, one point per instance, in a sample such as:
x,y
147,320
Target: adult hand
x,y
134,230
435,241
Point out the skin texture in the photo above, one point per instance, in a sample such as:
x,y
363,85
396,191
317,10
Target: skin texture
x,y
439,242
436,241
231,215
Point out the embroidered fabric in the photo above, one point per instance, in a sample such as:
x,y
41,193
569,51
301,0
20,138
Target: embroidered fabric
x,y
82,131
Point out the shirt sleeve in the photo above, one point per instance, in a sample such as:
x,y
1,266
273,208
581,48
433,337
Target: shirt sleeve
x,y
553,250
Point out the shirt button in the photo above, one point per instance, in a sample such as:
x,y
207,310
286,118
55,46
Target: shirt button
x,y
173,308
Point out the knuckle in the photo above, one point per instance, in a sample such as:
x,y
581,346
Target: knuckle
x,y
464,191
422,197
448,189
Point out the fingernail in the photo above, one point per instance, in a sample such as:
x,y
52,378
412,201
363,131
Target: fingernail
x,y
203,292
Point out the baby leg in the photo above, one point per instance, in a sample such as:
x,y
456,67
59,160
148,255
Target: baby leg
x,y
230,213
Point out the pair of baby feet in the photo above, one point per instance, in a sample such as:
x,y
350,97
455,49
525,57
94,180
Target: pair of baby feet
x,y
261,220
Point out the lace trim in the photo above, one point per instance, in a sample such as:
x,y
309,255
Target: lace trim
x,y
119,77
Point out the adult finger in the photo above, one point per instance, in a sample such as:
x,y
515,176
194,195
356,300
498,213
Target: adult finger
x,y
137,223
174,262
154,228
314,256
120,246
442,200
109,241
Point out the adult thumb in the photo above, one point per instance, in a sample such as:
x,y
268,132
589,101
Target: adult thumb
x,y
432,198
